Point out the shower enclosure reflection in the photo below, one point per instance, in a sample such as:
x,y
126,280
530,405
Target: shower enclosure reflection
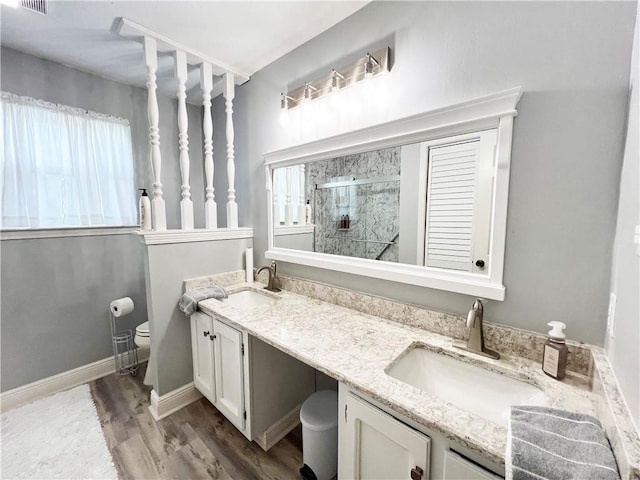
x,y
355,205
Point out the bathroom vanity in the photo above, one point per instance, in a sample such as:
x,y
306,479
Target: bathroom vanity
x,y
382,407
258,388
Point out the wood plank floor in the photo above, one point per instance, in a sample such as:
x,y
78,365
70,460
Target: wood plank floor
x,y
196,442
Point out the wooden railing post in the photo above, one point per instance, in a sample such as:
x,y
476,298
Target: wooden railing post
x,y
232,207
302,206
158,209
210,208
276,200
288,206
186,205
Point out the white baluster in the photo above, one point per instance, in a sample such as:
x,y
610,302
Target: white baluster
x,y
186,205
288,206
276,200
301,206
210,208
232,207
158,211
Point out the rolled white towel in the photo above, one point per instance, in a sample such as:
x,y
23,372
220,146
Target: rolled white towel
x,y
188,303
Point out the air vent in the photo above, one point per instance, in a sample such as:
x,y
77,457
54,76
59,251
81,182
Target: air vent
x,y
38,6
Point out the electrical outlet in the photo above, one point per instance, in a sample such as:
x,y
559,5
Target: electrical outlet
x,y
611,316
636,239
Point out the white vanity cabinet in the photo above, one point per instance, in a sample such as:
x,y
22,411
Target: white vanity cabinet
x,y
202,351
374,442
374,445
256,386
219,367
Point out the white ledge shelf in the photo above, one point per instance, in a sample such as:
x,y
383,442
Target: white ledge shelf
x,y
293,229
196,235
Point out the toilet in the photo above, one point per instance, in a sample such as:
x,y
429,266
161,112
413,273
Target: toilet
x,y
142,335
143,341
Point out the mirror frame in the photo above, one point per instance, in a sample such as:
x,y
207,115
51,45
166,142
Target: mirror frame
x,y
493,111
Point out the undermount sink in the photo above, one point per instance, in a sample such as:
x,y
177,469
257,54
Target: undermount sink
x,y
247,299
479,391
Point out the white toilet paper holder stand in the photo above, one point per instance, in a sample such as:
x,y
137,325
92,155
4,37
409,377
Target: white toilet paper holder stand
x,y
125,352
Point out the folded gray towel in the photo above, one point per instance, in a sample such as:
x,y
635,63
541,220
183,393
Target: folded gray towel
x,y
547,443
189,301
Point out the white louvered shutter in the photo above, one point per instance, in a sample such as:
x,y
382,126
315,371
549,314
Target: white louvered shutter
x,y
459,192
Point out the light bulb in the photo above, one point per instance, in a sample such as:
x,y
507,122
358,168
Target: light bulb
x,y
284,117
284,109
369,66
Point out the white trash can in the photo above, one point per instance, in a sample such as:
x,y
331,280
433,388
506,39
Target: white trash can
x,y
319,417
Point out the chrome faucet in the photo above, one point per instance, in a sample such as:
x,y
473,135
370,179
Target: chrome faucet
x,y
475,344
274,282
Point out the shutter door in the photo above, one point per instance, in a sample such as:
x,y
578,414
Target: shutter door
x,y
452,179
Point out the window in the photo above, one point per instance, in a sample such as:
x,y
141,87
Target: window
x,y
290,190
64,167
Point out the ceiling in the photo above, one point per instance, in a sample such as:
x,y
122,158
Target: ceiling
x,y
244,35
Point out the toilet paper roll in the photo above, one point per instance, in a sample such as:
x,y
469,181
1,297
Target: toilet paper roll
x,y
121,307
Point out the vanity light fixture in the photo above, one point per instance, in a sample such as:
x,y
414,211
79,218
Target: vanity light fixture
x,y
370,65
308,92
335,80
284,108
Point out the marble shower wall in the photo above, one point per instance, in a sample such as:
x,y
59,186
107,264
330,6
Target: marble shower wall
x,y
373,209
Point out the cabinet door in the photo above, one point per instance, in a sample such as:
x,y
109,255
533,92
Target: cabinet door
x,y
374,445
458,468
229,373
202,350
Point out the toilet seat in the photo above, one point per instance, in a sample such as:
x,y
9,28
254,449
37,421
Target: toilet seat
x,y
143,329
142,339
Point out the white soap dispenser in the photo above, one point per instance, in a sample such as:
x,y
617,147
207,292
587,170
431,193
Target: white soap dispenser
x,y
555,351
144,206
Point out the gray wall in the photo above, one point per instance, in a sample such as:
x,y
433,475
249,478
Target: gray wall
x,y
625,279
572,60
55,292
55,300
166,266
295,241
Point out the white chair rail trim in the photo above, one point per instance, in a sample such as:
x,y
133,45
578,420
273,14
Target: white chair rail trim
x,y
293,229
197,235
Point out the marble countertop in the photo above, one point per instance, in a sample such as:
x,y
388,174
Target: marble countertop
x,y
355,348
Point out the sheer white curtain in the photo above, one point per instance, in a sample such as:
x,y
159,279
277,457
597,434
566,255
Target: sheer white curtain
x,y
64,167
282,190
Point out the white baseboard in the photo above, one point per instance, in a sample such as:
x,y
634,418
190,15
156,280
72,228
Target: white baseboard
x,y
165,405
279,430
62,381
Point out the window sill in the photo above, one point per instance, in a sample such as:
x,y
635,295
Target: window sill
x,y
25,234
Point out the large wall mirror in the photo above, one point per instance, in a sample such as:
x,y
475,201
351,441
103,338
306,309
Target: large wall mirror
x,y
421,200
